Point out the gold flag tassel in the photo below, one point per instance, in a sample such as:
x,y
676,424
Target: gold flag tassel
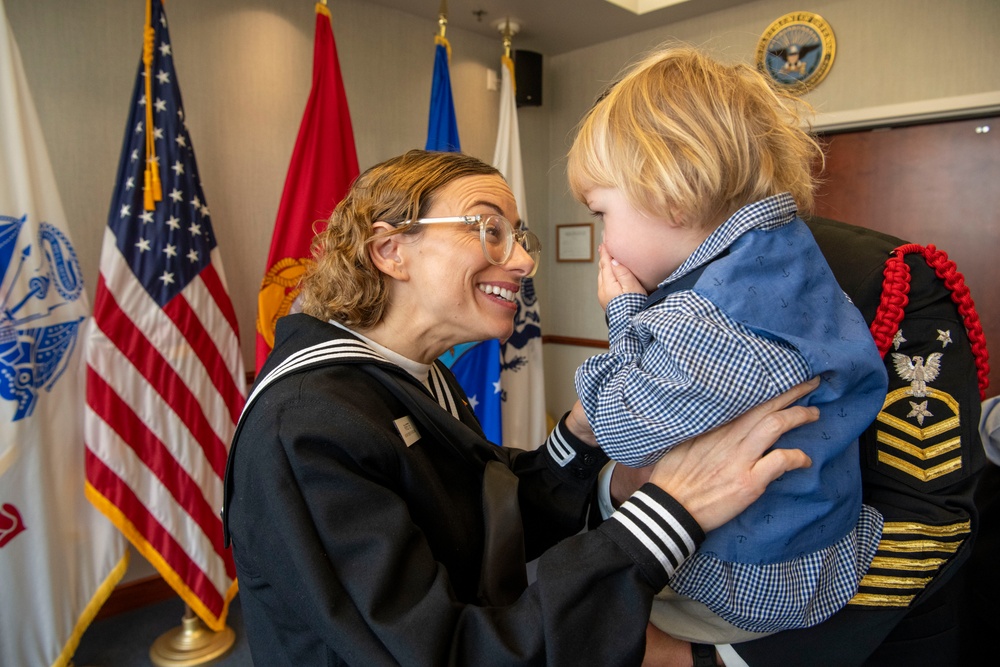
x,y
442,27
152,190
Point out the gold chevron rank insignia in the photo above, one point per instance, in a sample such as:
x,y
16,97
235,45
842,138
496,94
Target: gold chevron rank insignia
x,y
919,435
909,556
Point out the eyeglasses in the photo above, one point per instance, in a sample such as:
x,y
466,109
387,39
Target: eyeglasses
x,y
496,235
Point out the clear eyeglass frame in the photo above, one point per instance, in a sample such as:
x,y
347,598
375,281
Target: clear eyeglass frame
x,y
496,235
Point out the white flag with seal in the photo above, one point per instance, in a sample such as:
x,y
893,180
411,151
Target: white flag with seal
x,y
522,375
59,557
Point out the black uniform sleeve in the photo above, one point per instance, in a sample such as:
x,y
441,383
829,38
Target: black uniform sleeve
x,y
557,487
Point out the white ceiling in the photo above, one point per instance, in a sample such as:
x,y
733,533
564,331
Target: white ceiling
x,y
553,27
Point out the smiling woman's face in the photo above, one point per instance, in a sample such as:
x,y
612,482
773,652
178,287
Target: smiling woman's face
x,y
453,294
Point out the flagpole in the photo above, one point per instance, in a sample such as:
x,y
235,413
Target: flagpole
x,y
190,644
507,31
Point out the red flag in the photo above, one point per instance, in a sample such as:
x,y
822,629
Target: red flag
x,y
324,163
165,380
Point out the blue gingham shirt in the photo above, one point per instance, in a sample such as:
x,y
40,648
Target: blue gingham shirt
x,y
682,366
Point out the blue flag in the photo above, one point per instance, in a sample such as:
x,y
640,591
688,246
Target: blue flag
x,y
477,368
475,365
442,128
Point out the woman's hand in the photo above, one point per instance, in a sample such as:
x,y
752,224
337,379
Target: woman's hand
x,y
614,279
718,474
576,422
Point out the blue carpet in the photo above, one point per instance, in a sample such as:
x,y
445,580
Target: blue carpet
x,y
124,640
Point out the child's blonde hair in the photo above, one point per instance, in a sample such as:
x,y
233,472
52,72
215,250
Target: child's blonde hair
x,y
686,137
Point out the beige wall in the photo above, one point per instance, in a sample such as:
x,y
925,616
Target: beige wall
x,y
244,68
893,57
245,65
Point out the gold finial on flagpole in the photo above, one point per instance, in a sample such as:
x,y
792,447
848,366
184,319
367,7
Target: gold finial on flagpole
x,y
508,28
442,26
443,18
507,34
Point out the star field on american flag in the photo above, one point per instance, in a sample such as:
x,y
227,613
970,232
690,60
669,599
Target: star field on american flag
x,y
167,247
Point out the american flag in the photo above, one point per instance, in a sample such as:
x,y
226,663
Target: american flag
x,y
165,380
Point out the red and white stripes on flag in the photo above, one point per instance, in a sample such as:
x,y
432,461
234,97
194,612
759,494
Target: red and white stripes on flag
x,y
165,380
158,427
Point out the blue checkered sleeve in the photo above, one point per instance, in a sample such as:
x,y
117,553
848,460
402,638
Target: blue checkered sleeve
x,y
674,371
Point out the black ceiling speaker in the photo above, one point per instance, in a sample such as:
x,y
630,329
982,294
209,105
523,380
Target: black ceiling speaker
x,y
528,78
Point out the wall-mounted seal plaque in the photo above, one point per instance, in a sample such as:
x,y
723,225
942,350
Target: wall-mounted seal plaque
x,y
797,51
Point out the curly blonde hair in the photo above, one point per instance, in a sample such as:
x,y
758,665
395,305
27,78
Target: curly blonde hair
x,y
689,138
342,283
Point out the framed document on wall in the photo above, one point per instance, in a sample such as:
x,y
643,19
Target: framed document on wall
x,y
575,243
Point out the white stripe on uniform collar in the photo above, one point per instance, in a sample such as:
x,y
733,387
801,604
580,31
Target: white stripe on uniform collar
x,y
327,350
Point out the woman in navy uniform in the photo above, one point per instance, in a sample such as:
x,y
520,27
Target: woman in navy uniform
x,y
372,523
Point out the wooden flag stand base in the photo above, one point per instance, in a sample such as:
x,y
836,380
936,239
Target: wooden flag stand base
x,y
190,644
